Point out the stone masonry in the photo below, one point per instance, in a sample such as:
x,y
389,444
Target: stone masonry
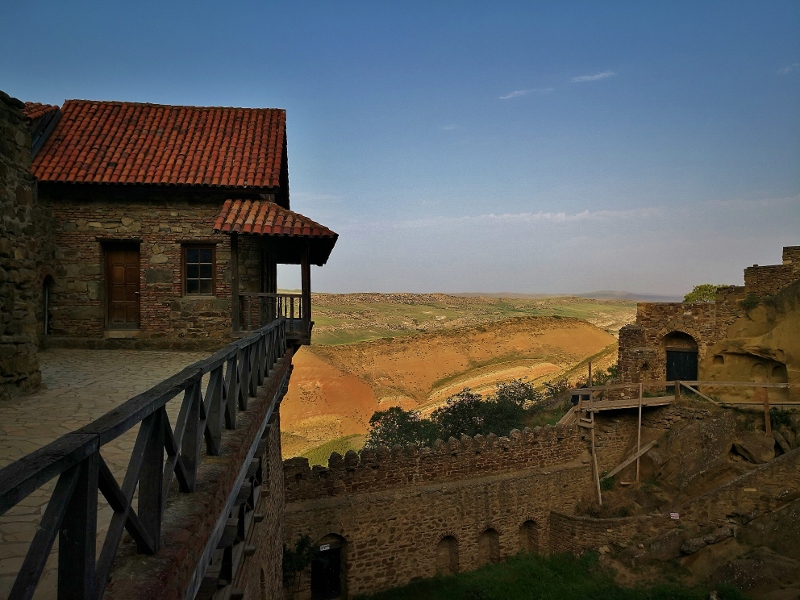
x,y
642,355
19,367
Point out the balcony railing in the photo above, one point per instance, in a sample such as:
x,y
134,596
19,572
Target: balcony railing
x,y
163,450
257,309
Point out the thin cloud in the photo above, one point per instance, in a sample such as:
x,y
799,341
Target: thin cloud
x,y
448,127
515,94
595,77
788,68
518,93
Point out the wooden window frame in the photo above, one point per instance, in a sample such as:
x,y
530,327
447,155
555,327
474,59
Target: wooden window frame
x,y
184,277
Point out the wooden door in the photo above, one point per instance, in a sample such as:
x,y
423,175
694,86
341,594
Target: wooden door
x,y
122,286
681,365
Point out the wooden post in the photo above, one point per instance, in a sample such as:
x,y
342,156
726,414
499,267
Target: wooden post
x,y
639,432
590,373
305,267
235,282
767,420
677,390
596,468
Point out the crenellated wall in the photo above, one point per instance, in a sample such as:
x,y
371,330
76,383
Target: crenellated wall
x,y
384,468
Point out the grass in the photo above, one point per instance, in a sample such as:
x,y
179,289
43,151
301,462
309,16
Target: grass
x,y
534,577
321,454
344,319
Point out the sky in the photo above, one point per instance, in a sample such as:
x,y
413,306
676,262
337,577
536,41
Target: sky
x,y
530,147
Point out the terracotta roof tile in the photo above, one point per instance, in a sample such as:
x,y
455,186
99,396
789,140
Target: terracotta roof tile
x,y
34,110
132,143
262,217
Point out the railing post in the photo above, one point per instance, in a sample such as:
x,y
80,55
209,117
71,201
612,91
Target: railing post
x,y
76,539
151,476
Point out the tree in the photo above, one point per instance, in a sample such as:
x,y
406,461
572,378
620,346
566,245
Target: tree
x,y
463,414
397,426
705,292
519,391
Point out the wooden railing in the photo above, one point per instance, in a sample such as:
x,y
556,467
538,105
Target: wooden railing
x,y
162,451
258,309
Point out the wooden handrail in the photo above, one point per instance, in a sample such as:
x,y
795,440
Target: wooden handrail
x,y
258,308
162,451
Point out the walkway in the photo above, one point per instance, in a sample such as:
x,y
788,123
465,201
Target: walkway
x,y
81,385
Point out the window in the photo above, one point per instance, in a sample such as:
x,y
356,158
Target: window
x,y
198,270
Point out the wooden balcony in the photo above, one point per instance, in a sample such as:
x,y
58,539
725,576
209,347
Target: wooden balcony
x,y
257,309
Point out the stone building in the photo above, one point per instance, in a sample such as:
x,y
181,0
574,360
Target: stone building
x,y
749,333
165,224
19,248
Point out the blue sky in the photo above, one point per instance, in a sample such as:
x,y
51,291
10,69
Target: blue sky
x,y
537,147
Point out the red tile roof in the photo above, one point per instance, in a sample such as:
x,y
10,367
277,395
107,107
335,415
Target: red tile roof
x,y
262,217
132,143
34,110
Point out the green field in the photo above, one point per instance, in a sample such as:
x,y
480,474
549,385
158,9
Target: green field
x,y
321,454
535,577
352,318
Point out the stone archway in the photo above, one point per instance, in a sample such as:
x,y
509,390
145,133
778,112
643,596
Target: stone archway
x,y
680,354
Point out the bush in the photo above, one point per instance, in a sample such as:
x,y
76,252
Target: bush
x,y
750,302
398,426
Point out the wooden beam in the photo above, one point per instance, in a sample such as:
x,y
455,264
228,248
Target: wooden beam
x,y
305,268
644,450
691,389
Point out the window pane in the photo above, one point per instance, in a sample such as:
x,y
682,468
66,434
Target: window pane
x,y
192,286
192,271
205,255
205,286
205,271
192,255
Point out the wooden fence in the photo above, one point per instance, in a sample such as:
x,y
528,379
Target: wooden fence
x,y
162,451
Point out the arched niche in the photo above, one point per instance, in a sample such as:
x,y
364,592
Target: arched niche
x,y
447,556
489,547
529,536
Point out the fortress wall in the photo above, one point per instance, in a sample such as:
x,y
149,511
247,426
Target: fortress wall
x,y
19,248
394,535
382,469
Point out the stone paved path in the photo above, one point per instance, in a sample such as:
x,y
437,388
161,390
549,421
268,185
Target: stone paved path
x,y
82,385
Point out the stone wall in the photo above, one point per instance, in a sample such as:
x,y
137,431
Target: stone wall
x,y
87,220
19,366
384,468
769,279
642,355
394,536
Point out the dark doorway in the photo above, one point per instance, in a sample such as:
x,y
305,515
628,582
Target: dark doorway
x,y
326,570
681,365
122,286
681,351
